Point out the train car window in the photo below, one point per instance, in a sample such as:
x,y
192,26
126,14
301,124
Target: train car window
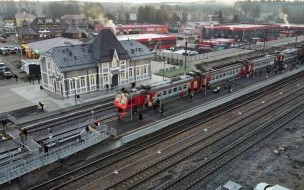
x,y
185,86
174,89
212,78
165,92
221,75
158,94
216,77
169,91
224,74
231,72
180,87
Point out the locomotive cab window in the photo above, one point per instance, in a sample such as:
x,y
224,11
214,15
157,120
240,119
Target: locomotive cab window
x,y
174,89
118,98
123,100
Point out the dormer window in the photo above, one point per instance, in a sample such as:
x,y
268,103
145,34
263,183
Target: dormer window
x,y
88,57
77,58
66,60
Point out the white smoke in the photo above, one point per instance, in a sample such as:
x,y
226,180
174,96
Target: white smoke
x,y
94,13
284,17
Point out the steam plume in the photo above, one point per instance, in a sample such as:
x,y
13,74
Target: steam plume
x,y
95,13
284,17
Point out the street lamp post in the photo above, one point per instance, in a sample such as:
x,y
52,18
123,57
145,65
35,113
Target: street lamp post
x,y
131,107
75,85
164,62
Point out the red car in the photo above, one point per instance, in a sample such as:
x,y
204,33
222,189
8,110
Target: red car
x,y
3,40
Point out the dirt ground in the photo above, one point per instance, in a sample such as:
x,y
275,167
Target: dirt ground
x,y
261,164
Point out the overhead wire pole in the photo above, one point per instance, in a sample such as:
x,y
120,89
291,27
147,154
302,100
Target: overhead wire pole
x,y
265,37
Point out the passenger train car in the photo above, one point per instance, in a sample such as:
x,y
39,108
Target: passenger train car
x,y
166,89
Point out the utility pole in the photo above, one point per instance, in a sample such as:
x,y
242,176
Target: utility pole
x,y
265,37
186,54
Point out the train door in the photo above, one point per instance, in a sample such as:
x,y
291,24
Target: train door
x,y
194,85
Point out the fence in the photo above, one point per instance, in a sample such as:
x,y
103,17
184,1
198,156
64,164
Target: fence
x,y
21,167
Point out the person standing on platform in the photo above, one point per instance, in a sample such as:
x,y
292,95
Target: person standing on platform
x,y
78,138
140,117
107,87
162,109
229,88
46,150
191,96
41,105
30,78
181,94
16,77
121,118
261,72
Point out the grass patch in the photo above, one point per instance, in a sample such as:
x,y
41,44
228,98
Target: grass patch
x,y
176,72
16,63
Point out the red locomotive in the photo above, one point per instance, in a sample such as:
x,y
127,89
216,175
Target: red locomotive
x,y
166,89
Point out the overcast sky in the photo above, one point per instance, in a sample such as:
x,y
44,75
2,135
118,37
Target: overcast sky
x,y
153,1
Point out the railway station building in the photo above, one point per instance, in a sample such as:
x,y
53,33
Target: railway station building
x,y
78,69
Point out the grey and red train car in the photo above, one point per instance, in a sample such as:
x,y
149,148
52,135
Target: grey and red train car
x,y
166,89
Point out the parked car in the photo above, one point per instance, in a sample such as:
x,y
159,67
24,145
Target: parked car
x,y
13,51
180,37
3,40
8,75
4,51
166,32
7,34
2,68
3,36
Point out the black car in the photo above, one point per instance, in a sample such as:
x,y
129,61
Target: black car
x,y
7,34
13,51
180,37
7,75
4,36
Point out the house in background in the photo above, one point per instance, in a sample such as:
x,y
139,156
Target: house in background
x,y
78,20
79,69
20,17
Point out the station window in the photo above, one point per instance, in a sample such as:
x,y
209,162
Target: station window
x,y
105,65
92,80
82,82
122,75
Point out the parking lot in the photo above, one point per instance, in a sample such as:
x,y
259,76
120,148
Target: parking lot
x,y
12,62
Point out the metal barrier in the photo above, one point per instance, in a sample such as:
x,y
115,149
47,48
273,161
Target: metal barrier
x,y
21,167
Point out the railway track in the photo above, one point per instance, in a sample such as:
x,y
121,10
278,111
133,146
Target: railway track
x,y
204,145
70,117
215,162
81,173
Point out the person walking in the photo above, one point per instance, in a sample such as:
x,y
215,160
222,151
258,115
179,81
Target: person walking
x,y
30,78
25,132
140,117
291,68
229,88
38,77
96,121
107,87
112,86
16,77
21,134
78,138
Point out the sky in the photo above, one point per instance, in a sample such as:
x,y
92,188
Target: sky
x,y
152,1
